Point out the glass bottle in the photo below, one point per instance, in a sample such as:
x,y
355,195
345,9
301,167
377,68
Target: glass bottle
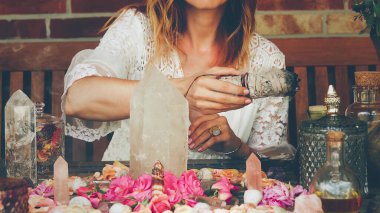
x,y
50,140
312,146
366,107
335,183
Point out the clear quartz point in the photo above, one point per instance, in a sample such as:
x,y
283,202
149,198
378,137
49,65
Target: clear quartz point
x,y
20,137
159,125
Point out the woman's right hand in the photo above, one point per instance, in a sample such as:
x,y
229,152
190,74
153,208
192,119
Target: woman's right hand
x,y
207,94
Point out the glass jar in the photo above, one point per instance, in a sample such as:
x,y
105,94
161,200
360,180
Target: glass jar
x,y
366,107
312,146
334,182
50,140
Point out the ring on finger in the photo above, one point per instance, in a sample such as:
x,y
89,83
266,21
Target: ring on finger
x,y
215,131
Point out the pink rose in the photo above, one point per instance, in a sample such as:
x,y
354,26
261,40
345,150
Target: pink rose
x,y
190,185
83,191
95,199
160,203
297,191
142,189
43,190
171,188
224,187
120,188
277,195
129,201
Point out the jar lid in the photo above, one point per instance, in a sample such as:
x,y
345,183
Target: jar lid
x,y
337,123
367,79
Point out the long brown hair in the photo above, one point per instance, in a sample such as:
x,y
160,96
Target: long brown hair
x,y
168,20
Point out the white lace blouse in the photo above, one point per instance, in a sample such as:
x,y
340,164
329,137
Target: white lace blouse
x,y
124,51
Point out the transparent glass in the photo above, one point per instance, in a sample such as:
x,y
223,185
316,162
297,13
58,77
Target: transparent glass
x,y
335,183
366,107
50,140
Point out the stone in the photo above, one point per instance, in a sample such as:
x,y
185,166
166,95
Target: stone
x,y
61,178
159,125
253,172
20,137
311,202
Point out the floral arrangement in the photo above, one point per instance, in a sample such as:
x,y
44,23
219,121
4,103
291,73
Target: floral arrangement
x,y
369,10
163,192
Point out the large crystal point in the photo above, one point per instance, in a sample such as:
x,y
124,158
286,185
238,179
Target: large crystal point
x,y
159,125
61,177
20,137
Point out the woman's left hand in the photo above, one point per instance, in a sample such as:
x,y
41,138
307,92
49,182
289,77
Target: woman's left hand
x,y
202,138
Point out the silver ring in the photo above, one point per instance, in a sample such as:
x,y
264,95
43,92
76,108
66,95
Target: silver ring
x,y
215,131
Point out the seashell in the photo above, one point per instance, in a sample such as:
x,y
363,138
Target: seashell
x,y
80,201
184,209
205,174
252,196
120,208
202,208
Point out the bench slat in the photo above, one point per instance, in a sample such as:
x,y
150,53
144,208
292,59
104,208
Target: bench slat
x,y
322,83
37,93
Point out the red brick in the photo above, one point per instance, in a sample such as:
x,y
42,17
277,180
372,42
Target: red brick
x,y
74,28
32,6
300,4
22,29
80,6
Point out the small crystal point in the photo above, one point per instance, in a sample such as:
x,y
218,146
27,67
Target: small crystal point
x,y
61,177
253,172
331,92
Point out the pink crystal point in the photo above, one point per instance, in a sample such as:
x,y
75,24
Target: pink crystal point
x,y
61,177
253,172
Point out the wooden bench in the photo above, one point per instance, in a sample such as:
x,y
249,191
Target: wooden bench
x,y
38,69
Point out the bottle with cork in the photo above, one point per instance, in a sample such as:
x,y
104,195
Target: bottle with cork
x,y
335,183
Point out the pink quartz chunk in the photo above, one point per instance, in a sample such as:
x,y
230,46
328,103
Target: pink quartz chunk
x,y
310,202
253,172
61,177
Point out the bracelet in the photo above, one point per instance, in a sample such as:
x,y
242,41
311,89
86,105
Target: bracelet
x,y
191,84
233,151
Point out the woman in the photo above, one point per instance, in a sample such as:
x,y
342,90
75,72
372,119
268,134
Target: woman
x,y
185,39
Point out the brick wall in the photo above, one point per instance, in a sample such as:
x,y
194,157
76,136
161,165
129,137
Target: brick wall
x,y
61,20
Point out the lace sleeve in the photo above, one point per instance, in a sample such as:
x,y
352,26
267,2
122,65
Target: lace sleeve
x,y
111,58
269,129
